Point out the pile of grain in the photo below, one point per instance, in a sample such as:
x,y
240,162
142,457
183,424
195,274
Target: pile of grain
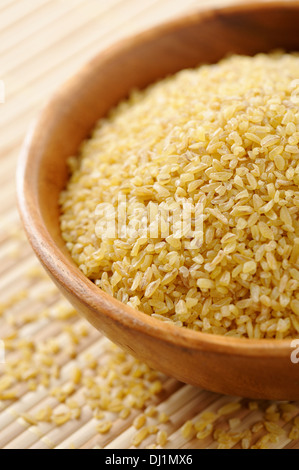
x,y
223,138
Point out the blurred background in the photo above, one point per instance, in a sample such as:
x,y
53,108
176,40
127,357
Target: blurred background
x,y
43,42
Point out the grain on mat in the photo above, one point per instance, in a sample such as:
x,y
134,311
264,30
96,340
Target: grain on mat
x,y
114,380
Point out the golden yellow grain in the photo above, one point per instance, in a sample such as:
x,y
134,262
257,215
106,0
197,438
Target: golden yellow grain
x,y
229,408
187,429
76,375
29,419
6,382
44,414
140,436
205,284
245,443
163,417
295,306
205,433
104,427
274,428
61,418
150,411
162,438
9,395
234,153
139,421
125,413
152,429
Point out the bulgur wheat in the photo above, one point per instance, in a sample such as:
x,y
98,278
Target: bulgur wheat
x,y
223,138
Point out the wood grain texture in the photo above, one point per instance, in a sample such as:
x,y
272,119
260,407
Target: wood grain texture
x,y
42,44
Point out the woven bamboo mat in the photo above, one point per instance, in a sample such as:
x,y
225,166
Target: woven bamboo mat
x,y
63,384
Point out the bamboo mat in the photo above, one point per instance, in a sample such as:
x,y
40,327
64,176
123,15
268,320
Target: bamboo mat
x,y
63,384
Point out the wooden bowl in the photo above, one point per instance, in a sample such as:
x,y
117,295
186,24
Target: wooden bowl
x,y
252,368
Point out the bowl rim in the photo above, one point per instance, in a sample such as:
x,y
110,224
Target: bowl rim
x,y
66,273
